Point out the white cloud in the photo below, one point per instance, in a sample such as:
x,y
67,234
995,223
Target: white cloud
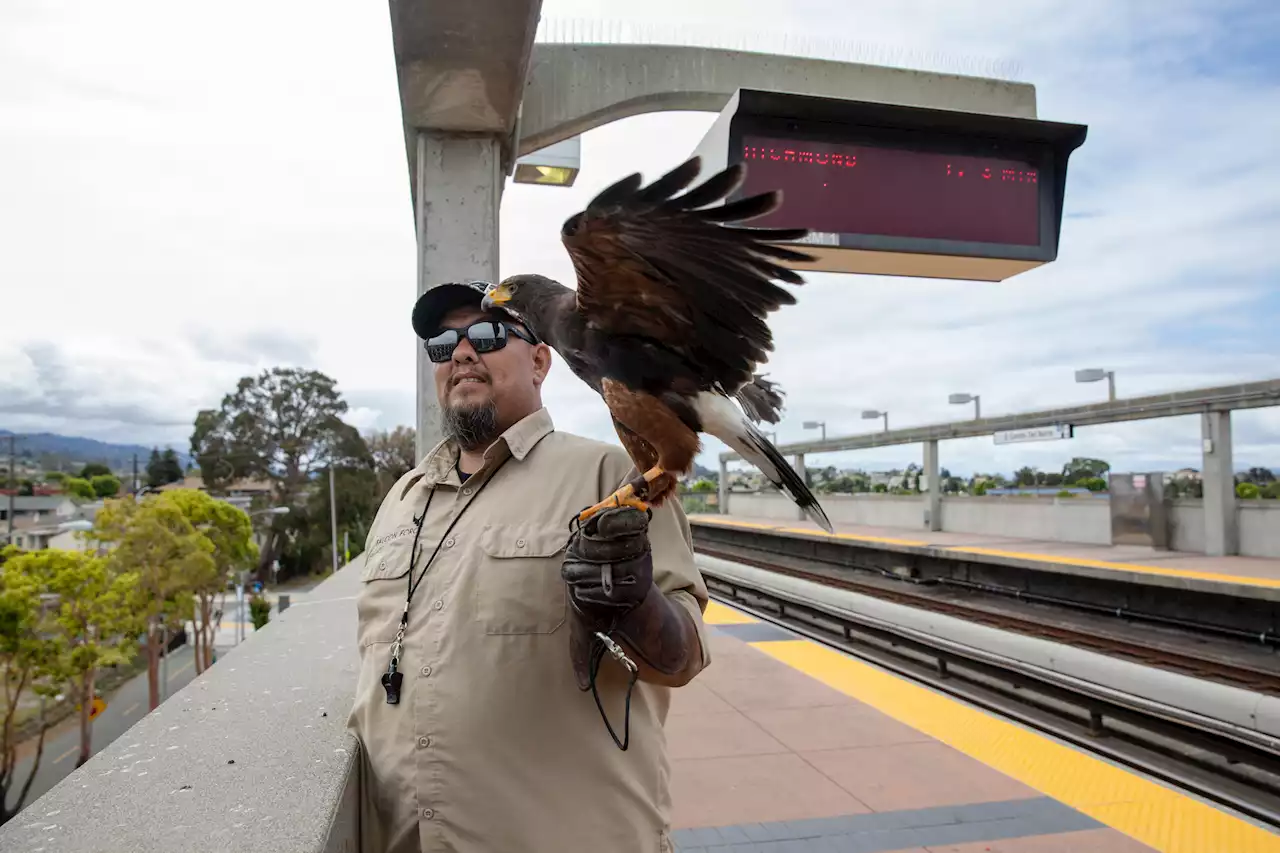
x,y
188,198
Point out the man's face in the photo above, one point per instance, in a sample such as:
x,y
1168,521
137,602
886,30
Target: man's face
x,y
482,394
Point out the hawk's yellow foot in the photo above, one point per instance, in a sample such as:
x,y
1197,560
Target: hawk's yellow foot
x,y
628,495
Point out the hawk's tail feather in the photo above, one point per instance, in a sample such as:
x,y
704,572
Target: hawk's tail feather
x,y
719,417
757,450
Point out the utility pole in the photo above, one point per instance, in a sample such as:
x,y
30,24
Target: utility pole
x,y
333,519
133,488
12,481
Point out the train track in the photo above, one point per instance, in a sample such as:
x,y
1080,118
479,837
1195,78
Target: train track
x,y
1234,768
1207,653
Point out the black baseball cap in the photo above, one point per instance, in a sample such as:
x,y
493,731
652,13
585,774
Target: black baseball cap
x,y
443,298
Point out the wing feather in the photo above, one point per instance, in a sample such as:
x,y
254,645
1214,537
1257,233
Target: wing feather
x,y
693,282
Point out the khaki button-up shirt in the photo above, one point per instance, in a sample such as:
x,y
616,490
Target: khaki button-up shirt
x,y
493,748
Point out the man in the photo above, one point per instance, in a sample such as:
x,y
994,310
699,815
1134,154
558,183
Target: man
x,y
484,736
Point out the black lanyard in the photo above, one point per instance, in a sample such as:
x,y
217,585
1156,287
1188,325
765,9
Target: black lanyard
x,y
393,678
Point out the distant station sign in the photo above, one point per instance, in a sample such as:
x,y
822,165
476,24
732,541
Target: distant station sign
x,y
1046,433
894,190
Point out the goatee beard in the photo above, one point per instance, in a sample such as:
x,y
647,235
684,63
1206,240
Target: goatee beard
x,y
472,427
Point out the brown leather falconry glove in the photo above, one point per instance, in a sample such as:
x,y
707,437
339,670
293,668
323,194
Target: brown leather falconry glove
x,y
608,568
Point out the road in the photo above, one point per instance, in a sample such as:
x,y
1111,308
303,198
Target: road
x,y
124,708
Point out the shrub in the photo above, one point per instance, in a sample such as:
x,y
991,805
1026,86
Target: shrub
x,y
259,611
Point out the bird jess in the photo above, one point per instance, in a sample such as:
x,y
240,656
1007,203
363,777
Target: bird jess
x,y
667,324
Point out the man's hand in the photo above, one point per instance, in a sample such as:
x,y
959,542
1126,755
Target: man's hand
x,y
608,565
608,568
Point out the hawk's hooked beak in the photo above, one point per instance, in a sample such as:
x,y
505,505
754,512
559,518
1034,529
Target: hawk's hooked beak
x,y
495,295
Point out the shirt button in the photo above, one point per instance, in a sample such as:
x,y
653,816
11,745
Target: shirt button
x,y
382,565
467,490
448,543
519,543
424,742
428,814
438,605
426,670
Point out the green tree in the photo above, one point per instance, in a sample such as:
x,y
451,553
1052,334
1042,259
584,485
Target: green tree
x,y
105,485
91,620
78,487
155,540
284,425
309,546
1082,467
54,476
1025,476
1093,484
163,468
94,469
230,533
26,487
27,664
704,486
1247,491
395,454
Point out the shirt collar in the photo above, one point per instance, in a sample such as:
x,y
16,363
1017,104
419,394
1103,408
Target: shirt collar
x,y
517,441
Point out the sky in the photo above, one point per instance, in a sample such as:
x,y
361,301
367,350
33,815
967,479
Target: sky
x,y
187,198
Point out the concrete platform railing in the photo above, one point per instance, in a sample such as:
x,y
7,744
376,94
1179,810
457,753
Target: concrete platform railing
x,y
1084,520
253,755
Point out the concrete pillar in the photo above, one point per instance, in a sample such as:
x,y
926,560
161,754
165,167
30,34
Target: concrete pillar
x,y
1221,531
932,497
804,476
458,189
723,488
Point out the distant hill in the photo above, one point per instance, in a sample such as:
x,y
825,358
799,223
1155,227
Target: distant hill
x,y
65,452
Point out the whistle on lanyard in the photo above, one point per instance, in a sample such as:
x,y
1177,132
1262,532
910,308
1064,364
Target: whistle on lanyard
x,y
393,678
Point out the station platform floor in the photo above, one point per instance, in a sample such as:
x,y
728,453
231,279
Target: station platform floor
x,y
1256,572
784,745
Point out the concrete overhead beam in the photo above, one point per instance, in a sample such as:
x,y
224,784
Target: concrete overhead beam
x,y
461,67
574,88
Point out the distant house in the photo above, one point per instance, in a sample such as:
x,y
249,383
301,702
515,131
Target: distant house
x,y
47,521
239,493
37,534
28,506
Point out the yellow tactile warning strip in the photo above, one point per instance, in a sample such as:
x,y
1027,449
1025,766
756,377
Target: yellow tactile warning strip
x,y
718,614
1130,567
1140,808
1147,811
1216,577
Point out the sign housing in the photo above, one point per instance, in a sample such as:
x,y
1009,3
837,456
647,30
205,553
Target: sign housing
x,y
887,189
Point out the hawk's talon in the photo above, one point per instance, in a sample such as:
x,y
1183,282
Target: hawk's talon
x,y
623,497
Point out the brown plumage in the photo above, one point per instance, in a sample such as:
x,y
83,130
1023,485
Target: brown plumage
x,y
668,322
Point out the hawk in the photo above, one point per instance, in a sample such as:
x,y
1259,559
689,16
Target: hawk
x,y
667,323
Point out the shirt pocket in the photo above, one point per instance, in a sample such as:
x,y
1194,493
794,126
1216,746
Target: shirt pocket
x,y
518,587
383,587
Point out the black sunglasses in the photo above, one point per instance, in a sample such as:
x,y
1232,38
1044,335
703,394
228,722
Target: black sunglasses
x,y
485,336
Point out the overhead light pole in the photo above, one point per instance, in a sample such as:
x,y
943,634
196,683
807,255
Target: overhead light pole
x,y
872,414
961,399
822,425
1097,374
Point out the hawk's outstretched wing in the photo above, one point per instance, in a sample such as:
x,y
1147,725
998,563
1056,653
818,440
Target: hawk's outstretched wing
x,y
681,275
